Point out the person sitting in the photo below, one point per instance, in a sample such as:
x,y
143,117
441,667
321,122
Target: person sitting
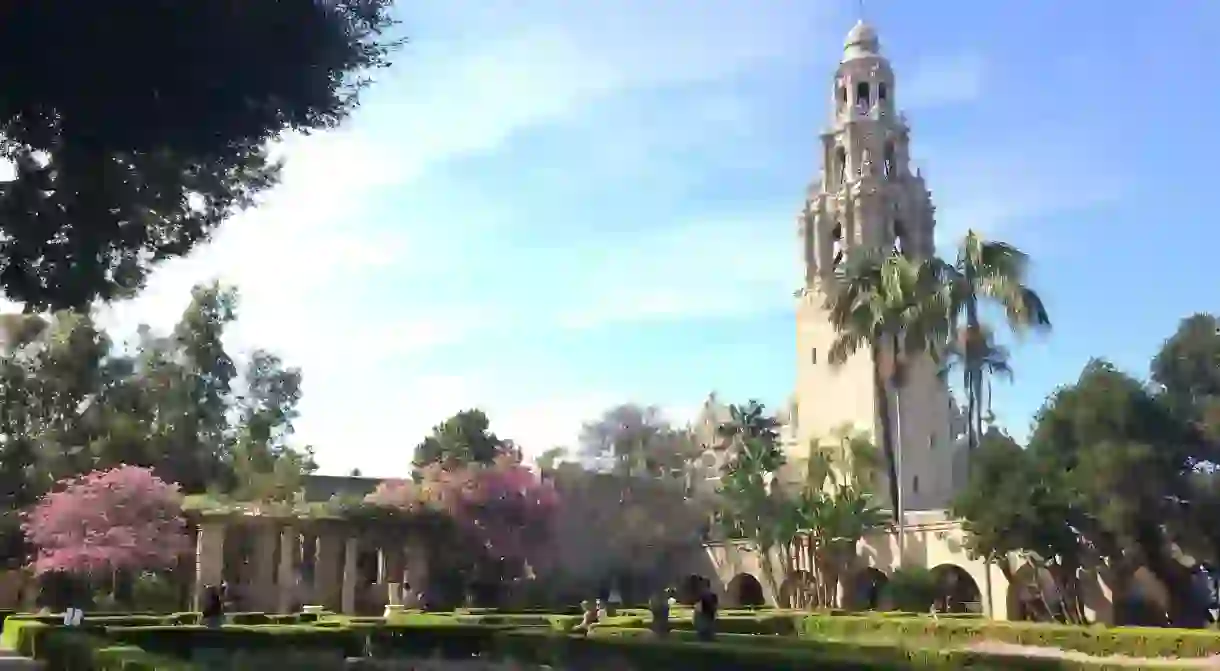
x,y
589,619
213,607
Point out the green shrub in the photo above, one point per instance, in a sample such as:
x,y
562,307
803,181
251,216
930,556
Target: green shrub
x,y
77,650
20,633
782,625
911,588
915,643
182,641
1094,640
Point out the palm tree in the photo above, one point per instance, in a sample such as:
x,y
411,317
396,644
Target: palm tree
x,y
890,304
986,272
993,362
754,504
834,510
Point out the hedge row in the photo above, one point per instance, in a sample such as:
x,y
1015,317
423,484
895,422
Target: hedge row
x,y
891,629
183,648
1098,641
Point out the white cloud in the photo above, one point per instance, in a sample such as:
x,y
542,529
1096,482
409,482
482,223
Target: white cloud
x,y
737,266
309,262
362,297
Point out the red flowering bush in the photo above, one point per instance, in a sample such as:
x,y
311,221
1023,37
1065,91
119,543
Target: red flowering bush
x,y
122,519
504,507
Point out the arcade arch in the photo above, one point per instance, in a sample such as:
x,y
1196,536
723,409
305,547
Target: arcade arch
x,y
745,590
957,592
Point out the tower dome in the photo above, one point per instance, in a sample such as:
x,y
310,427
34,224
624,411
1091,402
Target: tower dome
x,y
861,42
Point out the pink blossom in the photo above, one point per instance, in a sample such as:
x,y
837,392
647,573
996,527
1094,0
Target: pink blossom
x,y
505,506
120,519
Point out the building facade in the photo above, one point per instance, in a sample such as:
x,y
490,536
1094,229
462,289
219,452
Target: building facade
x,y
868,196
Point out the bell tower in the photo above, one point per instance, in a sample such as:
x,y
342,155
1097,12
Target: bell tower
x,y
867,197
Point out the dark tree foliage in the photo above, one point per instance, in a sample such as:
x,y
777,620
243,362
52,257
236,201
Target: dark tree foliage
x,y
1119,475
1188,371
137,126
462,439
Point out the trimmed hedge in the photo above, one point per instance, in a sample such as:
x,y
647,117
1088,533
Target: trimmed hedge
x,y
892,640
840,654
1098,641
174,647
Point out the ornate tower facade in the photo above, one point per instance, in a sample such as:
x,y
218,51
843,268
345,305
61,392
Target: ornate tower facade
x,y
867,196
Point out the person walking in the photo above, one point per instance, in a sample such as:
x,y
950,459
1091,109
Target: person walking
x,y
705,612
659,606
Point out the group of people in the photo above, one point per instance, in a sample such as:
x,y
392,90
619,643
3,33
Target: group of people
x,y
706,605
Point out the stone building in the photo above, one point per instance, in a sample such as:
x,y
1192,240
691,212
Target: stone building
x,y
868,196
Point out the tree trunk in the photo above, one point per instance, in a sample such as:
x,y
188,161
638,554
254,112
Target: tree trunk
x,y
1184,609
881,394
897,382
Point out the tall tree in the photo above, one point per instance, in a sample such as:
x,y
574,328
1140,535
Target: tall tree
x,y
465,438
829,512
1015,504
1186,373
265,465
753,504
888,304
993,360
637,440
117,167
985,272
1187,370
1107,433
191,376
548,460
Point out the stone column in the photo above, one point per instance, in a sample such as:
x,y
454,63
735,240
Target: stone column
x,y
351,570
384,574
326,570
209,557
289,549
262,587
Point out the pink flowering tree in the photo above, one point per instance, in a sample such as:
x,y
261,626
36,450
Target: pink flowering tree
x,y
509,510
503,511
505,507
120,520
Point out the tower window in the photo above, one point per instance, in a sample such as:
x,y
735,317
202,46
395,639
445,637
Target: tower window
x,y
915,485
891,167
841,164
837,247
813,356
881,91
862,94
899,238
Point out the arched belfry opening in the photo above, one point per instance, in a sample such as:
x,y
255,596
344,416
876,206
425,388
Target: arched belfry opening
x,y
890,167
840,166
838,251
900,238
862,95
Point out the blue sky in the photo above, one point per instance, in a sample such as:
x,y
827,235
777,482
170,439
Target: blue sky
x,y
548,207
